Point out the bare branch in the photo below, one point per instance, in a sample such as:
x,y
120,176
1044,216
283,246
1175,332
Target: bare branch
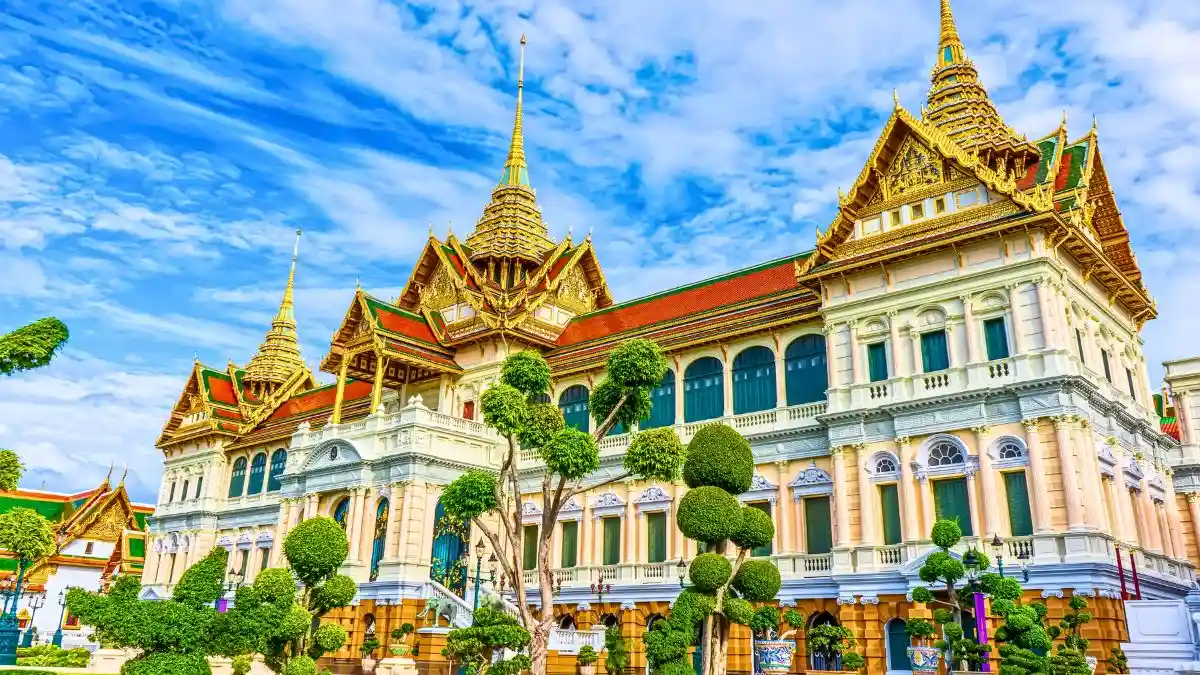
x,y
602,430
607,481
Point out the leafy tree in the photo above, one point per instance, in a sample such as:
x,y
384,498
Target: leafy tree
x,y
1069,657
11,468
27,536
1117,661
32,346
477,647
945,570
493,503
618,651
1022,631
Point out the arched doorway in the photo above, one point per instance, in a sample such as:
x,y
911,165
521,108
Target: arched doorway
x,y
897,645
821,661
448,566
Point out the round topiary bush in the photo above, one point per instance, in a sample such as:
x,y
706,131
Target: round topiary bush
x,y
758,581
167,664
757,529
295,623
301,665
709,514
316,548
336,592
692,605
329,637
275,584
526,372
946,533
719,456
710,571
739,611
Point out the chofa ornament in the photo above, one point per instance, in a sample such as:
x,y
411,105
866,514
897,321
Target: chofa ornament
x,y
774,656
924,659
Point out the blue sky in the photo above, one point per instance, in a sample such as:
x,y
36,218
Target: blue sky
x,y
156,158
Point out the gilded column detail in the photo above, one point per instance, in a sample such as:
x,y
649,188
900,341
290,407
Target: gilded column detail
x,y
340,393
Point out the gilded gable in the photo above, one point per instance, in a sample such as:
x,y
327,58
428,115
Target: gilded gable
x,y
441,292
915,166
574,292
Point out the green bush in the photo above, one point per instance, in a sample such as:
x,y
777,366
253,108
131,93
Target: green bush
x,y
765,622
618,651
50,655
470,495
164,663
709,514
504,408
542,421
609,393
758,580
295,623
739,611
720,457
329,637
587,655
946,533
203,583
338,591
315,549
275,585
637,363
710,571
756,530
526,372
301,665
692,605
655,454
571,453
242,664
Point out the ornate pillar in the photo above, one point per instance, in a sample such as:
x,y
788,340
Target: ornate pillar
x,y
1046,315
914,339
1070,475
597,537
951,348
629,552
907,493
678,392
1160,513
355,520
1089,473
780,375
928,510
969,324
1013,305
429,522
443,404
393,523
1116,517
1193,500
1149,520
1175,524
310,506
866,499
679,543
727,380
586,534
783,527
341,390
899,363
1038,498
377,388
989,520
366,531
856,374
842,517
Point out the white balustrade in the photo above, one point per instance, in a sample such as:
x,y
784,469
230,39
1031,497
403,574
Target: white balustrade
x,y
890,556
566,641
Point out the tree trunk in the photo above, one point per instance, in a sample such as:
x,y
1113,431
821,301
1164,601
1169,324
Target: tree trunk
x,y
539,646
706,645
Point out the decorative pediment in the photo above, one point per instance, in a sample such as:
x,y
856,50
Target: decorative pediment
x,y
760,489
530,509
653,494
915,166
608,500
812,480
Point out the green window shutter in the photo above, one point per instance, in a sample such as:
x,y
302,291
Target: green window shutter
x,y
662,404
934,356
574,405
1018,504
529,544
806,376
818,527
951,503
889,500
612,541
258,471
656,526
753,380
877,361
570,543
996,337
762,551
703,390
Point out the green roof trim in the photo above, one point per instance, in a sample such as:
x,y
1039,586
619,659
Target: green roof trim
x,y
1077,155
375,305
52,510
140,518
137,547
8,565
1047,148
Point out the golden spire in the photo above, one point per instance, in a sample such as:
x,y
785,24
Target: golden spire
x,y
516,172
949,45
278,357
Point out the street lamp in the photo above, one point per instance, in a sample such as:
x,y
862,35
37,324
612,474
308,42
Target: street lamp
x,y
1023,559
36,601
998,552
601,588
681,571
479,549
62,602
556,582
493,561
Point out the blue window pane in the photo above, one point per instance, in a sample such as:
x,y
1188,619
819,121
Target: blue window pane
x,y
703,390
574,405
805,372
278,463
754,380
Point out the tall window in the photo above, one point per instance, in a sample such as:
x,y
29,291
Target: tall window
x,y
762,550
245,557
258,471
897,645
171,497
184,495
703,390
996,338
1129,379
935,355
662,403
265,558
951,503
1019,516
529,546
753,380
1079,344
877,361
574,405
237,480
1104,361
656,533
612,541
278,464
570,543
805,372
199,486
889,501
381,526
818,529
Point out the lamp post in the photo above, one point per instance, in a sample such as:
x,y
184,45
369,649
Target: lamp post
x,y
998,552
10,633
36,602
601,588
233,581
681,571
479,549
62,602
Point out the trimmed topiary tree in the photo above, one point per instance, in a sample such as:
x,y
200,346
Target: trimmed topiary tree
x,y
1022,632
945,572
618,652
1070,656
493,503
477,647
719,467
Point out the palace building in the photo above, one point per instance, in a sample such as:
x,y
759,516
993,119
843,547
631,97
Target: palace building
x,y
963,342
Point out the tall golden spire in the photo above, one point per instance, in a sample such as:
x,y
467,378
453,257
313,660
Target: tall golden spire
x,y
278,358
959,105
516,171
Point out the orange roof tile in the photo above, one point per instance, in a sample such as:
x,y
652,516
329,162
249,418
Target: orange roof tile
x,y
401,322
220,389
321,397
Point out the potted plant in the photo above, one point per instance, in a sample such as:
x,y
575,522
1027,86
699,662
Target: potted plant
x,y
830,646
399,646
923,656
587,660
370,644
772,652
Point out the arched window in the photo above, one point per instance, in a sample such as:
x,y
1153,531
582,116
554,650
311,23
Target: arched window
x,y
662,400
449,547
381,525
886,464
278,464
753,380
818,660
703,390
342,511
566,622
1010,450
258,471
610,620
806,374
237,481
946,454
574,405
897,645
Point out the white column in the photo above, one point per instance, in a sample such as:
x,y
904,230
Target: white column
x,y
899,361
951,347
1013,309
988,513
907,492
969,326
1070,475
842,516
856,373
1193,500
914,338
783,526
727,379
629,552
780,376
355,521
1174,522
1046,316
389,537
866,499
678,393
1038,497
1090,474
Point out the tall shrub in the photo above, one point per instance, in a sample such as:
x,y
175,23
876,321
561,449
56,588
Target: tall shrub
x,y
944,572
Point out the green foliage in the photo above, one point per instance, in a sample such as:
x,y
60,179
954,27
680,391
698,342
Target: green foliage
x,y
542,422
167,664
34,345
241,665
708,514
605,397
504,408
470,495
946,533
739,611
275,585
571,453
329,637
295,623
26,534
942,567
618,651
920,630
756,529
1022,631
368,646
527,372
403,631
587,655
758,580
11,469
1069,657
301,665
1001,588
637,363
692,605
52,656
668,641
655,454
202,583
315,549
491,632
765,622
853,661
922,595
338,591
1117,662
719,456
709,571
829,641
794,619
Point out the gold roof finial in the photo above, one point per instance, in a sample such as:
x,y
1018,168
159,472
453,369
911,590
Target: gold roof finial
x,y
1064,120
279,355
896,98
1095,123
949,37
123,475
516,172
431,229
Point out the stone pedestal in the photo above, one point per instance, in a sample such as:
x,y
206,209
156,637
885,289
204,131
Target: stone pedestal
x,y
430,642
396,665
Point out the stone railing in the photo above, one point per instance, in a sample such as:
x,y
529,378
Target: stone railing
x,y
566,641
450,605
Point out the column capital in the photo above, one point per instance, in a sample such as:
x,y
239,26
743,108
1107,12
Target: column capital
x,y
837,451
893,313
902,441
1192,497
782,464
1062,422
1031,425
981,431
966,299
